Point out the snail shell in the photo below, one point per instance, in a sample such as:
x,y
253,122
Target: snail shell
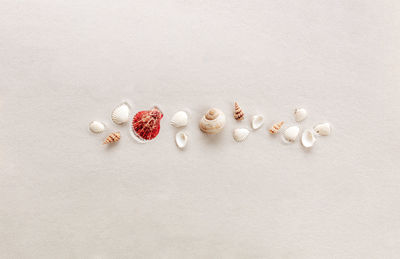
x,y
112,138
238,113
213,121
276,127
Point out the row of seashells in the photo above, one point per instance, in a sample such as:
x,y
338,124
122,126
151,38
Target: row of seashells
x,y
214,121
145,124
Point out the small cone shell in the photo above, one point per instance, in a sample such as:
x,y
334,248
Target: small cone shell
x,y
113,137
238,114
276,127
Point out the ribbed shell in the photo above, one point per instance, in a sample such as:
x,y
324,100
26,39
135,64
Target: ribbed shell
x,y
113,137
238,114
276,127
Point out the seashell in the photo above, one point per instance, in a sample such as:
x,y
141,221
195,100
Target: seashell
x,y
180,119
300,114
238,113
257,121
323,129
112,138
291,133
120,114
276,127
96,127
308,139
240,134
146,124
181,139
213,121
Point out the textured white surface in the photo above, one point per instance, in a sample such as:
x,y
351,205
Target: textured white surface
x,y
66,63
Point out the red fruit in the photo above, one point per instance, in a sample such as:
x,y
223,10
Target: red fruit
x,y
146,124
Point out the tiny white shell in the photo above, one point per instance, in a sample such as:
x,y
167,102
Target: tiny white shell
x,y
181,139
308,139
291,133
120,114
240,134
180,119
323,129
300,114
96,127
257,121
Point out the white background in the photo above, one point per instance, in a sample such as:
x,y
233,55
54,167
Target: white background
x,y
65,63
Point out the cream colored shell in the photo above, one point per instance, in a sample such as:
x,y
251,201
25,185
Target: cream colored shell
x,y
213,121
291,133
181,139
307,138
240,135
120,114
323,129
180,119
300,114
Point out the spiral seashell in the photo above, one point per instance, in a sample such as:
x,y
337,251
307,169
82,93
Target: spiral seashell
x,y
238,114
112,138
213,121
276,127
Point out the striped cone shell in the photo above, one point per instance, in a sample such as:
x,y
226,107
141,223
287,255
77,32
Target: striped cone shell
x,y
238,114
276,127
113,137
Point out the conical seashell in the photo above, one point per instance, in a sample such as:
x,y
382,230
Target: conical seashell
x,y
291,133
257,121
96,127
323,129
308,139
180,119
300,114
113,137
181,139
240,134
213,121
238,113
120,114
276,127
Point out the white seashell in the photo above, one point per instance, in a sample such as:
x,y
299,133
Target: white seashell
x,y
120,114
308,139
180,119
291,133
300,114
240,134
257,121
181,139
323,129
96,127
213,121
